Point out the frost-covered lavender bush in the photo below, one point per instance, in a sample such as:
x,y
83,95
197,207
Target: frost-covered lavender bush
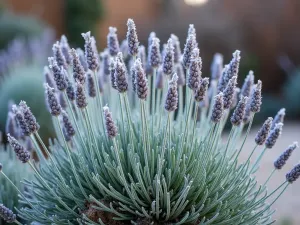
x,y
144,148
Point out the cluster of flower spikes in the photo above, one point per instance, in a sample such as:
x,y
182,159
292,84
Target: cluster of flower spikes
x,y
129,150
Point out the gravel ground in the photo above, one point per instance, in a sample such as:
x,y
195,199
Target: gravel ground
x,y
289,203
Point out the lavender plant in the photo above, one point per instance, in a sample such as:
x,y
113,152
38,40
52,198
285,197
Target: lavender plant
x,y
131,154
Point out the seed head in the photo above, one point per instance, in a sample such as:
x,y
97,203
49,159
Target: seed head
x,y
168,61
200,92
274,135
120,76
132,38
52,101
294,174
91,54
91,85
67,124
229,92
171,101
82,59
263,132
255,102
65,48
81,101
113,42
279,118
22,154
58,74
248,83
154,56
282,159
49,77
216,66
29,118
111,128
11,126
159,83
21,121
58,56
177,49
180,74
141,85
194,73
218,108
78,70
188,48
239,112
7,215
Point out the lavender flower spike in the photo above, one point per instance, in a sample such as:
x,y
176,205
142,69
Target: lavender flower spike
x,y
7,215
248,83
168,61
29,118
22,154
239,112
58,55
216,66
90,51
82,59
91,85
294,174
58,74
233,66
132,38
113,42
201,90
120,76
263,132
11,126
52,101
65,48
105,62
229,92
21,121
279,118
177,49
154,53
274,135
218,108
78,70
81,101
255,102
282,159
171,101
49,77
188,48
112,74
222,80
235,98
192,30
194,77
111,128
70,91
67,124
141,85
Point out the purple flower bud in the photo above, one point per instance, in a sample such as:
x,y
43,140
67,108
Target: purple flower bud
x,y
154,56
91,54
248,83
11,126
222,81
159,83
58,56
294,174
279,118
132,38
58,74
180,73
105,63
218,108
21,121
70,91
29,118
274,135
200,92
82,59
113,42
67,124
52,101
216,66
282,159
49,77
141,85
188,48
111,128
177,49
168,61
263,132
171,101
65,48
78,71
7,215
229,92
239,112
194,77
233,68
112,74
22,154
81,101
120,76
255,102
91,86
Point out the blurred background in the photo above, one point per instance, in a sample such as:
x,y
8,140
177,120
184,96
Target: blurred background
x,y
266,32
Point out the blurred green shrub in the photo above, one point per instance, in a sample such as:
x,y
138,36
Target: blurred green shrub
x,y
82,16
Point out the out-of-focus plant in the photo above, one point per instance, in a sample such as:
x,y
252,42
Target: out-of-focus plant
x,y
148,159
82,16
